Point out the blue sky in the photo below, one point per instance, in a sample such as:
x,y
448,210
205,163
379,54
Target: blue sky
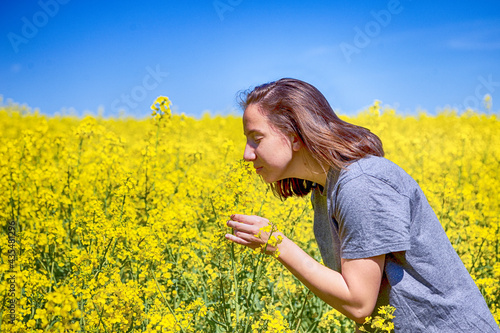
x,y
85,56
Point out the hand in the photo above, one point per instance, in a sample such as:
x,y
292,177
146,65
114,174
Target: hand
x,y
254,231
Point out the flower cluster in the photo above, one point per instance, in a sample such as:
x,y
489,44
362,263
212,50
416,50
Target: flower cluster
x,y
161,108
272,239
381,323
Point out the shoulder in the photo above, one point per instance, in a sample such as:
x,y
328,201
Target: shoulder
x,y
375,166
372,209
376,170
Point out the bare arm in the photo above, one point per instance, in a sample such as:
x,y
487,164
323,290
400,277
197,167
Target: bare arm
x,y
354,292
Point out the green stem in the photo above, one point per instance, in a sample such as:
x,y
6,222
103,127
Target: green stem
x,y
228,312
299,317
103,258
100,319
235,286
165,300
257,274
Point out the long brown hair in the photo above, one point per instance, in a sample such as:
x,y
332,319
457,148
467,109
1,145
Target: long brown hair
x,y
298,108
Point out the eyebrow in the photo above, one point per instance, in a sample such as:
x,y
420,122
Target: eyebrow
x,y
250,132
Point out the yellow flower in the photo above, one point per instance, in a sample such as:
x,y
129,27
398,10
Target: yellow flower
x,y
97,203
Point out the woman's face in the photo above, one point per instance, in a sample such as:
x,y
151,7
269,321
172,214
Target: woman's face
x,y
273,153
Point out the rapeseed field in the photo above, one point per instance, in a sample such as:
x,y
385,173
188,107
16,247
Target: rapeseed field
x,y
117,225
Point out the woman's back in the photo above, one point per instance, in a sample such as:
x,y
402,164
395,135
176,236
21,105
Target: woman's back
x,y
373,207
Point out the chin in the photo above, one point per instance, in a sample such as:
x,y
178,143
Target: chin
x,y
268,179
271,179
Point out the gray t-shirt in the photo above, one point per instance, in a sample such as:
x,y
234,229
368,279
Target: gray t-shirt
x,y
374,207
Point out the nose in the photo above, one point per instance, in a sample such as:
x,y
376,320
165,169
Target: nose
x,y
249,154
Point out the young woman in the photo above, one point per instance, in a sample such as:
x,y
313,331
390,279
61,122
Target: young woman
x,y
379,238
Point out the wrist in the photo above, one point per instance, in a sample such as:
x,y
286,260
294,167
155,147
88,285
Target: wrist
x,y
281,248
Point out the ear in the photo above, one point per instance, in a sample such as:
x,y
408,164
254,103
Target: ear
x,y
297,144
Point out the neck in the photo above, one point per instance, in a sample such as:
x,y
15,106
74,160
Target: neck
x,y
313,170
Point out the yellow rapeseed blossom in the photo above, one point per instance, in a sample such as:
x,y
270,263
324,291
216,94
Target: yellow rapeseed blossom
x,y
161,108
380,323
118,224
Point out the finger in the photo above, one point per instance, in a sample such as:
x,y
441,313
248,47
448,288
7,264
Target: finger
x,y
247,219
249,237
238,226
241,241
242,230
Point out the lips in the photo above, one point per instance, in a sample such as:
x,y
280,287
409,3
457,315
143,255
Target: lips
x,y
257,169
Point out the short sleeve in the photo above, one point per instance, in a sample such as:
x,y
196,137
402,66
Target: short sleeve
x,y
373,218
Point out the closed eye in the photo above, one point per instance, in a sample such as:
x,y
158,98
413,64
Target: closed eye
x,y
252,142
254,137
